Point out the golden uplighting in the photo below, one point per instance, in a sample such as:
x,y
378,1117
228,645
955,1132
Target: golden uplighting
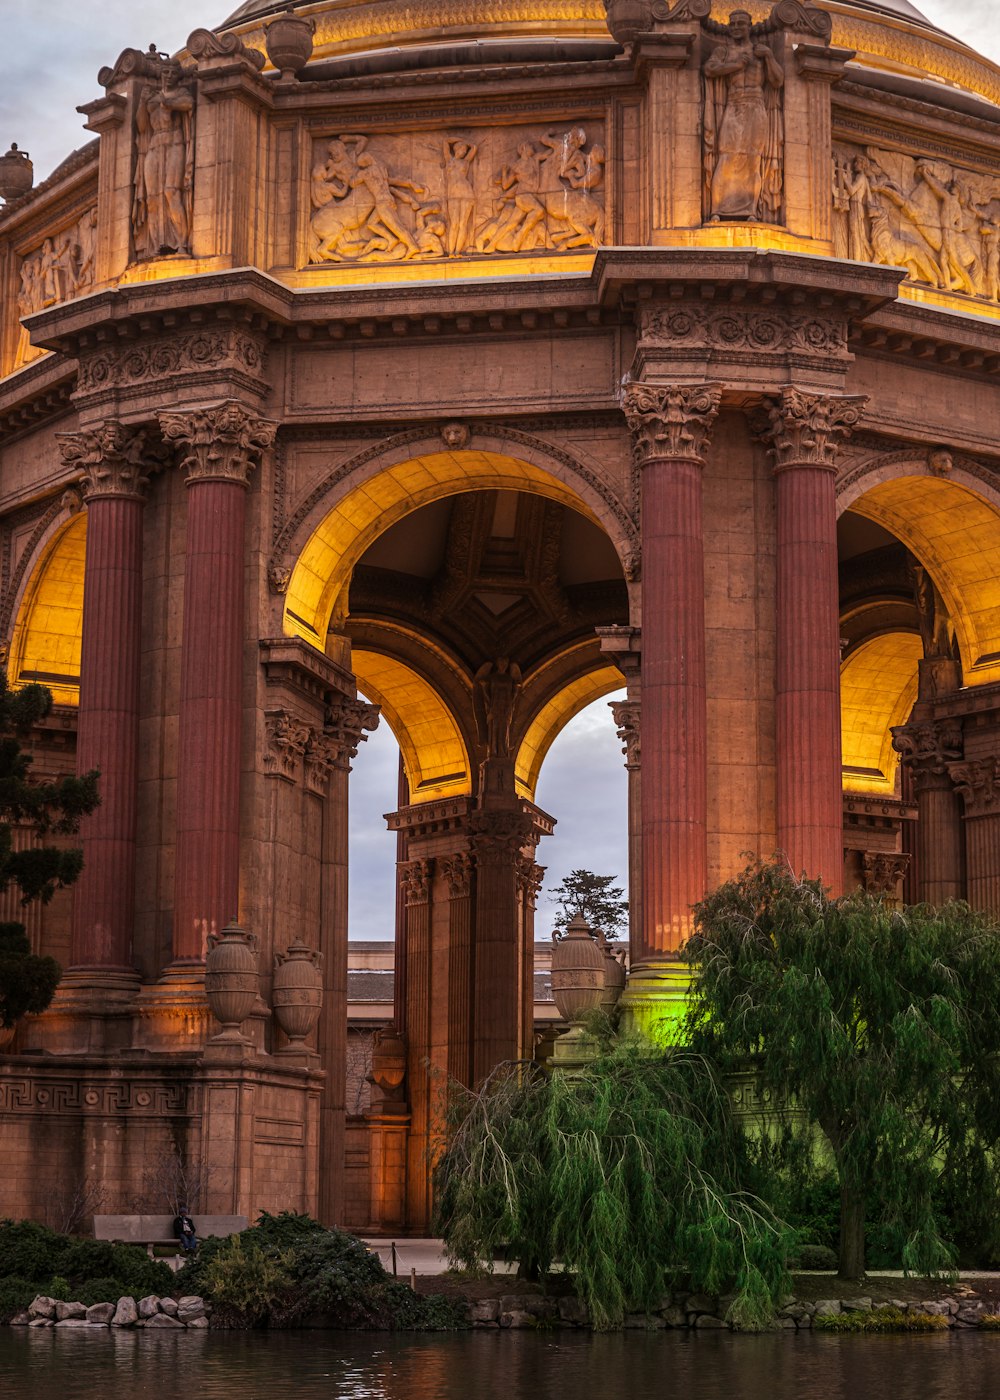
x,y
46,643
955,533
878,686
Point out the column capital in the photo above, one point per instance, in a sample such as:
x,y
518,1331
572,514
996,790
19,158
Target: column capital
x,y
529,878
883,870
626,714
457,870
978,785
221,442
343,728
671,422
111,459
416,878
930,749
805,429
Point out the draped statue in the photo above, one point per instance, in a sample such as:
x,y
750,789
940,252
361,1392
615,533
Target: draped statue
x,y
164,167
744,138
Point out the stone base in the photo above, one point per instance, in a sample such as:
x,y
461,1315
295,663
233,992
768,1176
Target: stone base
x,y
573,1051
655,999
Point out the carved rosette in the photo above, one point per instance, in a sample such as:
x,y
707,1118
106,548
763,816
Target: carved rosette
x,y
286,743
110,458
671,421
416,876
806,429
978,785
222,443
457,870
626,716
929,750
883,870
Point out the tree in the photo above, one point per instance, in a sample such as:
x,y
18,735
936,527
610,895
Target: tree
x,y
51,808
882,1025
601,902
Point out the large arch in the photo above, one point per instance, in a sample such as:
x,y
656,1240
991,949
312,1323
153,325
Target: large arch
x,y
878,687
555,711
47,636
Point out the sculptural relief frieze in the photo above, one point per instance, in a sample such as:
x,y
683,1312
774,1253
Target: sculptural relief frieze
x,y
183,354
62,268
429,195
937,220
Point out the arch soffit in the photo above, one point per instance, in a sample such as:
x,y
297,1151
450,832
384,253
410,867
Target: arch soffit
x,y
554,693
951,523
878,688
47,634
335,522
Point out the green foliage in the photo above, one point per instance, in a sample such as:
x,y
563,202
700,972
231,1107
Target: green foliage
x,y
815,1258
633,1174
880,1024
601,902
15,1295
52,808
885,1319
63,1266
287,1268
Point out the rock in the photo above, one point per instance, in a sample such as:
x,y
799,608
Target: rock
x,y
574,1311
933,1308
66,1312
73,1322
675,1317
162,1320
101,1313
795,1311
644,1322
191,1300
701,1303
198,1322
126,1313
486,1310
41,1322
149,1306
20,1319
969,1315
827,1307
188,1311
518,1319
42,1307
168,1306
545,1309
855,1305
809,1309
787,1324
707,1320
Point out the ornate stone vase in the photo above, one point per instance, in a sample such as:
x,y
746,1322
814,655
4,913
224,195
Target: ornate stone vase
x,y
289,42
578,971
297,991
6,1036
614,978
627,18
17,173
389,1064
231,978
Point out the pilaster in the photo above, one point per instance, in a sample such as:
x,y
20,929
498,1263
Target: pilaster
x,y
929,749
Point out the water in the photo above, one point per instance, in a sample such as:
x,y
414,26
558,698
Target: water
x,y
74,1364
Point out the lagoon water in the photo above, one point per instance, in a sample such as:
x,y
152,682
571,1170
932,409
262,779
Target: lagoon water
x,y
98,1364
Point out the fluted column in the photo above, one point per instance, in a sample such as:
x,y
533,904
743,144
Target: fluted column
x,y
805,431
108,719
457,871
929,750
977,783
417,876
220,447
670,427
498,840
626,715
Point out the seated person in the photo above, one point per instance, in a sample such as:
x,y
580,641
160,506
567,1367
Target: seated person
x,y
184,1231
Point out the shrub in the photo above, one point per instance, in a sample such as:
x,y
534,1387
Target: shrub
x,y
15,1295
815,1257
885,1319
65,1267
248,1282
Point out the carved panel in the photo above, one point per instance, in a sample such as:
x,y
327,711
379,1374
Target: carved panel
x,y
62,268
286,741
56,1096
161,359
430,195
753,330
978,785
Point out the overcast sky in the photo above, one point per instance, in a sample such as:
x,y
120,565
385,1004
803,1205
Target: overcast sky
x,y
55,48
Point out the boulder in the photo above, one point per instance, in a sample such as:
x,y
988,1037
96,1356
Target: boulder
x,y
707,1320
855,1305
487,1310
198,1322
675,1317
573,1311
66,1312
159,1320
168,1306
73,1322
701,1303
149,1306
101,1312
20,1319
188,1309
41,1322
126,1314
644,1322
518,1319
827,1307
42,1306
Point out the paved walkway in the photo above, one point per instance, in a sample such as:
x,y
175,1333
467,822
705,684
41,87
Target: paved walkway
x,y
426,1256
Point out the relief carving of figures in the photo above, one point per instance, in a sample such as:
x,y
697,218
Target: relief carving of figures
x,y
62,268
744,132
461,194
163,182
940,223
932,615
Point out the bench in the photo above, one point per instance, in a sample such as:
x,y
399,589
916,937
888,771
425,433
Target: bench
x,y
150,1230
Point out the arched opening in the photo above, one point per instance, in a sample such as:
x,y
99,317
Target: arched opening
x,y
47,635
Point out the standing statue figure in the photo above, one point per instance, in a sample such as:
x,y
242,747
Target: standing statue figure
x,y
164,167
932,615
743,127
459,193
495,691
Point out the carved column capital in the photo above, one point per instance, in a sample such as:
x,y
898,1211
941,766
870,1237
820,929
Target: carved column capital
x,y
529,879
978,785
929,749
416,878
286,742
457,870
344,726
111,459
220,443
671,421
626,716
500,836
805,429
883,870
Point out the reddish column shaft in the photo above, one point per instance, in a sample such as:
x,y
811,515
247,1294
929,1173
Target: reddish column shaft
x,y
673,797
208,762
809,780
496,1012
108,734
939,843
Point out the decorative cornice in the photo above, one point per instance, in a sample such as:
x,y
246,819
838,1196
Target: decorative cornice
x,y
806,429
111,458
626,716
671,421
221,443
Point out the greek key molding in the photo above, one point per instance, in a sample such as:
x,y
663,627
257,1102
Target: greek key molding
x,y
222,443
72,1096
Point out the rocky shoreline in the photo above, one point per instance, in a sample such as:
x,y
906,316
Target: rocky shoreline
x,y
190,1312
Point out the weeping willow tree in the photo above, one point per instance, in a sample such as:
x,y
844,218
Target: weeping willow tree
x,y
882,1024
633,1175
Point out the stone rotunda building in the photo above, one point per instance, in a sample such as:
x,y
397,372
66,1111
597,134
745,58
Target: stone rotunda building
x,y
482,360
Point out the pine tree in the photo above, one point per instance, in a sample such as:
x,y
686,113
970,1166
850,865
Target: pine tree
x,y
54,808
601,902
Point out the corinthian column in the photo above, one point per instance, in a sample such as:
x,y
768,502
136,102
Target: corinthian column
x,y
220,446
670,427
108,722
931,750
805,431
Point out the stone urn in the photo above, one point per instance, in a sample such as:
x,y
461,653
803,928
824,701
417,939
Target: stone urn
x,y
6,1036
389,1067
17,174
289,42
231,979
627,18
297,991
578,971
614,977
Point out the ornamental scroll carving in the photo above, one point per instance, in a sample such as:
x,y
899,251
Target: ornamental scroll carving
x,y
112,458
183,354
626,717
883,870
670,421
294,749
746,331
928,749
457,870
286,742
62,268
939,221
223,443
427,195
415,877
